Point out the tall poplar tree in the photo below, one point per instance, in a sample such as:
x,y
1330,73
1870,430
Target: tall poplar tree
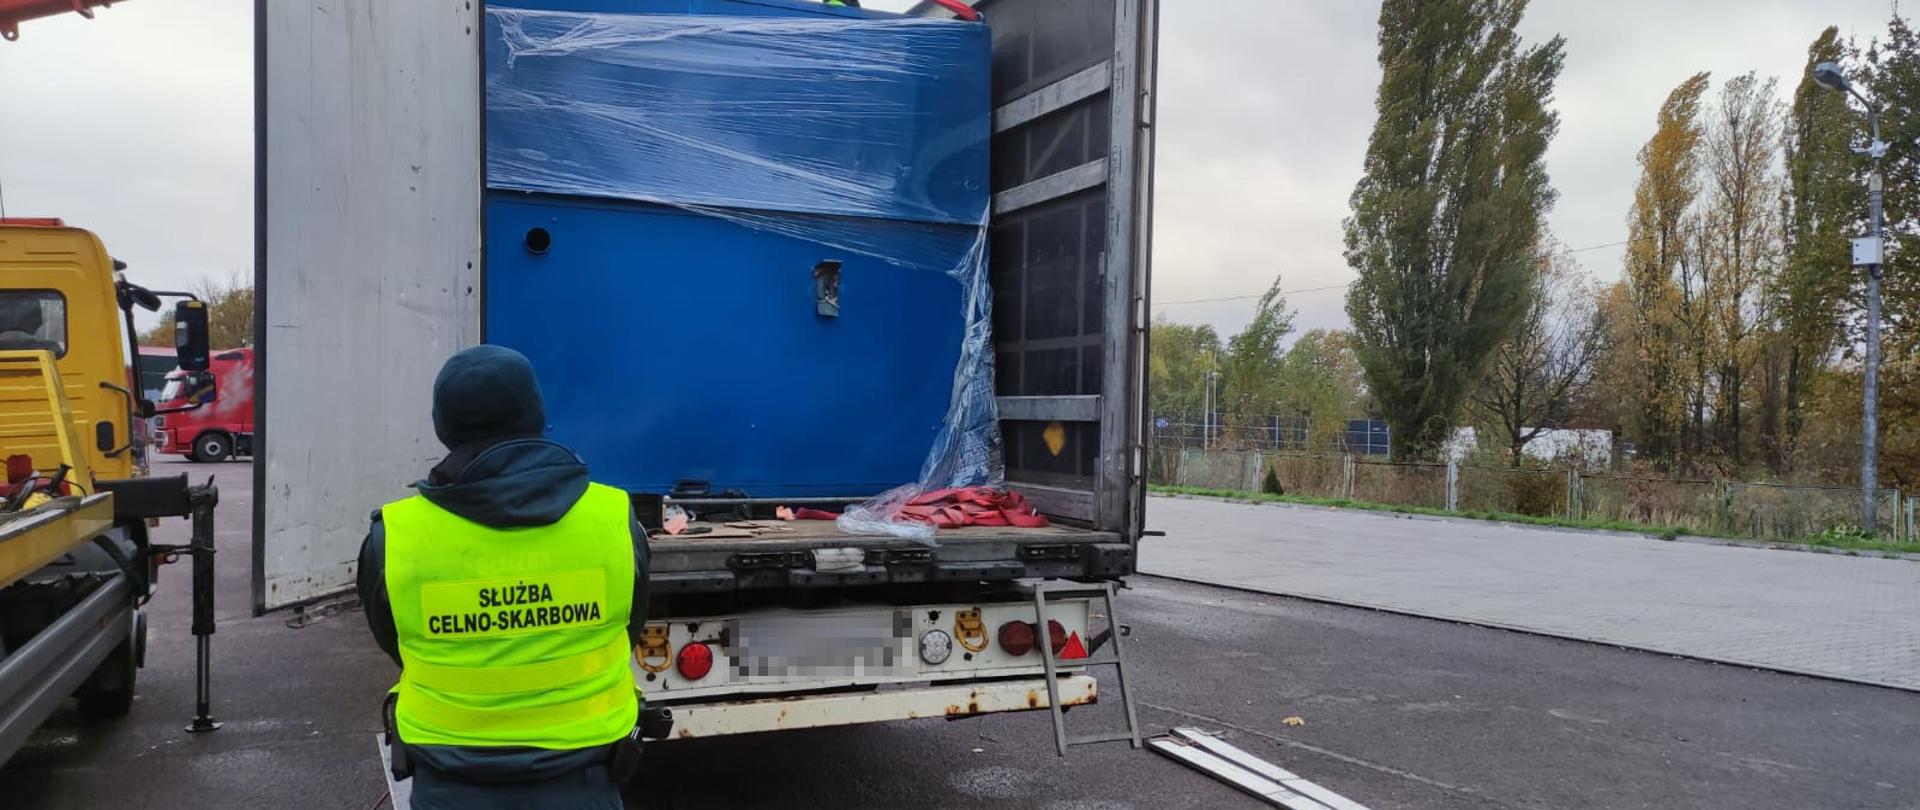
x,y
1659,232
1446,219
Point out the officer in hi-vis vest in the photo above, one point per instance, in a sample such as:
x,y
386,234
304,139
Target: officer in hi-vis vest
x,y
511,591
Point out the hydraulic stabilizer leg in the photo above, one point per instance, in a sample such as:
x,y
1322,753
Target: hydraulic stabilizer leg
x,y
203,498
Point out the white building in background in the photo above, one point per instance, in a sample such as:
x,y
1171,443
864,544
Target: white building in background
x,y
1594,448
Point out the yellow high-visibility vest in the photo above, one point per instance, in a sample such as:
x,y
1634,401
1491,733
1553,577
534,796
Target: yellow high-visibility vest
x,y
513,636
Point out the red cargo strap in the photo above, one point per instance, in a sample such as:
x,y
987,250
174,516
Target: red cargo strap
x,y
965,506
960,9
974,506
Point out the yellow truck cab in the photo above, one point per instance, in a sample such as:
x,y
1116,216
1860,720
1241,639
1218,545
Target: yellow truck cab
x,y
57,294
76,562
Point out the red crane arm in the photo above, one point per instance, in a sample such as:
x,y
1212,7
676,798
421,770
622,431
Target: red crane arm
x,y
12,12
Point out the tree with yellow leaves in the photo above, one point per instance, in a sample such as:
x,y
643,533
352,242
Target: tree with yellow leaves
x,y
1742,239
1659,236
229,315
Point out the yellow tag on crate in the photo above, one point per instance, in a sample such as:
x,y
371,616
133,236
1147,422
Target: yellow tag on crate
x,y
516,605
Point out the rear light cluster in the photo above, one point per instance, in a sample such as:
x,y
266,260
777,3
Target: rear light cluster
x,y
1018,638
694,660
655,653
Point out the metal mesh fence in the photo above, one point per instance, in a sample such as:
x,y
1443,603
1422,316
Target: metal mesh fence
x,y
1314,476
1777,511
1401,484
1674,502
1521,492
1761,510
1227,432
1199,468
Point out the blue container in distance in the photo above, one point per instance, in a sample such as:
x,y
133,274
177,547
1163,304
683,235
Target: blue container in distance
x,y
732,234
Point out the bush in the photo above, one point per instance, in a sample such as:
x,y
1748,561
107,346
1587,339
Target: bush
x,y
1539,494
1845,534
1271,484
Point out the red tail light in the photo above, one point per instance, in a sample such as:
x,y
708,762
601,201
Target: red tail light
x,y
19,466
694,662
1016,638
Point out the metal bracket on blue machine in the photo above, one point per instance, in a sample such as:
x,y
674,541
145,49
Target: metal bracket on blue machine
x,y
826,288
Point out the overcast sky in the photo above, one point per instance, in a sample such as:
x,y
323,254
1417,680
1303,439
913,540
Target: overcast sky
x,y
138,125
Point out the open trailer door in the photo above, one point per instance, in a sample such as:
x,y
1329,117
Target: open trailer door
x,y
367,207
1070,246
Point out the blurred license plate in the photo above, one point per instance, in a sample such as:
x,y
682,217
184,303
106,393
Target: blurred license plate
x,y
854,645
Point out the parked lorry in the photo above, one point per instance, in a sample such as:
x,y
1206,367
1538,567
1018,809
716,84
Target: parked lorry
x,y
76,561
153,364
752,247
221,430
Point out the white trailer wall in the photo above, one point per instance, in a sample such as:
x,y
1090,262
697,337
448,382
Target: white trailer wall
x,y
368,156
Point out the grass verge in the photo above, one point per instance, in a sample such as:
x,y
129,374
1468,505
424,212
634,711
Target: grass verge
x,y
1842,541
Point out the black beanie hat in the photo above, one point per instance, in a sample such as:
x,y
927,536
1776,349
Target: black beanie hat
x,y
486,392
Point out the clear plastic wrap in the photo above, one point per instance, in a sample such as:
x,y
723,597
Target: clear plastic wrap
x,y
649,107
847,119
882,516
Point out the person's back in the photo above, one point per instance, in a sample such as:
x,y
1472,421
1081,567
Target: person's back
x,y
510,589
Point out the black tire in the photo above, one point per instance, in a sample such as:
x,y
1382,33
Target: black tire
x,y
108,693
212,446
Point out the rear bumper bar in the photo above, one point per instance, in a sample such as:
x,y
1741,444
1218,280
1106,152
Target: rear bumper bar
x,y
950,700
677,568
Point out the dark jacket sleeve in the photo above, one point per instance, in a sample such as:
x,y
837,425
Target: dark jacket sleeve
x,y
641,560
372,585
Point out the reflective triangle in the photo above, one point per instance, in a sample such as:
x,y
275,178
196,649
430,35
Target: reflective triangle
x,y
1073,648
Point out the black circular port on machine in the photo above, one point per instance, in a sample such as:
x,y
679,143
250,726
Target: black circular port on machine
x,y
538,240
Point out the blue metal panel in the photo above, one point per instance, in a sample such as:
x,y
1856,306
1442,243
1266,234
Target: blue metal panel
x,y
680,346
689,190
1368,437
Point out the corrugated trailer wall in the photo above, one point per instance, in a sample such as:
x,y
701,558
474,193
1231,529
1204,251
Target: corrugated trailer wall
x,y
1072,200
367,265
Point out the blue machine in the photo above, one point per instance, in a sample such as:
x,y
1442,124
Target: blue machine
x,y
735,236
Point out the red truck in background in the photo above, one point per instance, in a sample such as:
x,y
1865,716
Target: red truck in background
x,y
219,430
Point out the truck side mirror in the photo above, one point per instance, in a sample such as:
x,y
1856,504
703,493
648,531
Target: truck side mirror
x,y
200,388
190,337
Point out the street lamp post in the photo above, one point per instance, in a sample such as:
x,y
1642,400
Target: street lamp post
x,y
1871,254
1206,419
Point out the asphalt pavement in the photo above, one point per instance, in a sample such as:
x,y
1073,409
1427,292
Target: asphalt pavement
x,y
1392,711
